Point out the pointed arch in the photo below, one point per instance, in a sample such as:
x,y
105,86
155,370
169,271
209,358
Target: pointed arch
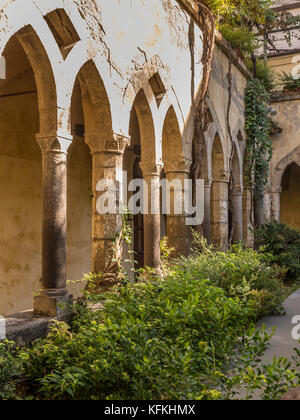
x,y
235,216
219,196
21,189
44,78
95,104
214,128
239,131
171,139
217,158
277,174
150,150
237,166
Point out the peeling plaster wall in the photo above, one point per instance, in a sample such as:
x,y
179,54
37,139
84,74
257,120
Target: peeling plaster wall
x,y
123,37
219,93
128,40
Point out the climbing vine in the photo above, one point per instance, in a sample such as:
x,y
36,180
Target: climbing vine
x,y
207,25
249,27
231,178
259,144
210,14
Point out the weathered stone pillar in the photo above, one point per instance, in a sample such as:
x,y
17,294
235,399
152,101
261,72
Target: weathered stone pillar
x,y
54,172
259,205
151,174
219,209
107,165
237,216
177,229
275,202
207,210
248,238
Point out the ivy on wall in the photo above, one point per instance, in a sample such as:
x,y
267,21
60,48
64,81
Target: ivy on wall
x,y
248,26
258,125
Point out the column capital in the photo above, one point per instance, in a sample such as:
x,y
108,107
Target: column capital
x,y
183,165
151,168
56,141
221,176
116,144
207,182
238,190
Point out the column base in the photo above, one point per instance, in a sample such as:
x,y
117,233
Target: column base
x,y
53,306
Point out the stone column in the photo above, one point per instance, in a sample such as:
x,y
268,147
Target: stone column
x,y
207,210
237,216
275,202
177,229
219,209
248,238
151,175
107,164
54,171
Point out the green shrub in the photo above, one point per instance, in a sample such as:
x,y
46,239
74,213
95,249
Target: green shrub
x,y
243,274
154,340
187,335
283,242
240,38
265,74
10,369
178,338
288,82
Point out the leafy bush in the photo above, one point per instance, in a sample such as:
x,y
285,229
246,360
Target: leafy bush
x,y
265,74
240,38
283,242
153,340
10,368
243,274
187,335
178,338
288,82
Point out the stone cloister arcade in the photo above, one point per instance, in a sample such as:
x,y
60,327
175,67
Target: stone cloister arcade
x,y
65,126
284,192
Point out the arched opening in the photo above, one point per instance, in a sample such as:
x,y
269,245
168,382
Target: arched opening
x,y
131,165
290,196
21,183
175,172
199,170
171,139
79,198
151,170
89,236
146,127
240,139
235,213
219,197
248,238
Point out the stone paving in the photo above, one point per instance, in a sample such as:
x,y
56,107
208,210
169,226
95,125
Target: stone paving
x,y
283,343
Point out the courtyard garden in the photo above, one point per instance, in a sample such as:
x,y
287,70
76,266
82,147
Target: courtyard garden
x,y
187,334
